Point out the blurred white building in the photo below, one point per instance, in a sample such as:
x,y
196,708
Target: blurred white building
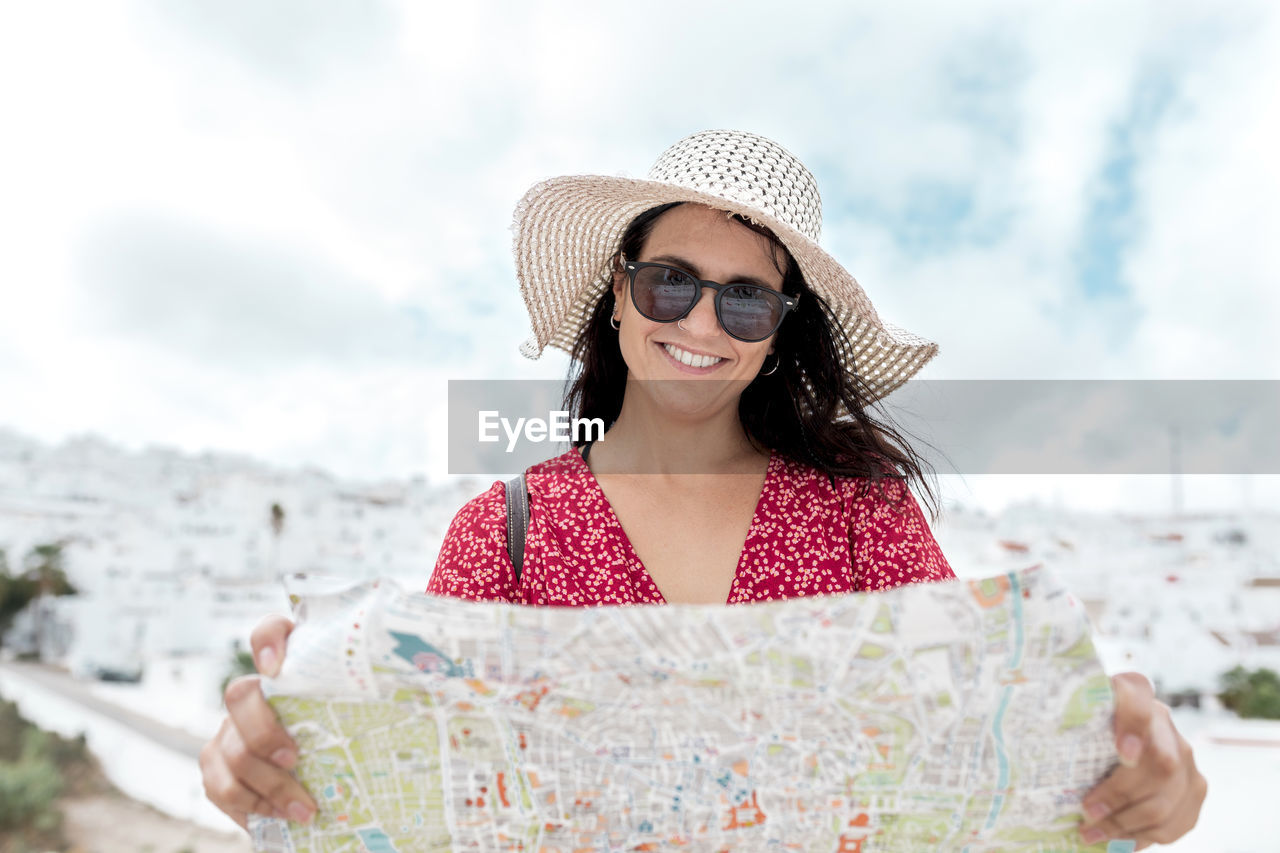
x,y
176,557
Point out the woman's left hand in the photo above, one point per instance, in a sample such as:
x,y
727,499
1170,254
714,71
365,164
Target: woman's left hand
x,y
1155,795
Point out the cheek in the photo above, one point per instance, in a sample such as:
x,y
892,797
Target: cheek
x,y
753,354
633,339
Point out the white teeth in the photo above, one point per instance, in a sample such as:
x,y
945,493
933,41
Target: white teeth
x,y
685,357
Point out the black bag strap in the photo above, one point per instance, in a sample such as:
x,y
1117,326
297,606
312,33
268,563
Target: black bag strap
x,y
517,520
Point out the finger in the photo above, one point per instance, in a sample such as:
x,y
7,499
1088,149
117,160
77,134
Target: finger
x,y
221,787
257,724
1138,821
273,790
1178,788
1125,788
1142,802
1135,703
268,643
1187,812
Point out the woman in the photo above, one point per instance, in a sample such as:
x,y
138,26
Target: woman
x,y
734,362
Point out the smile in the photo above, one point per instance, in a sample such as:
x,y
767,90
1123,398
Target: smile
x,y
689,359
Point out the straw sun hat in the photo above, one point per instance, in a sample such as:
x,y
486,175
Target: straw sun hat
x,y
567,229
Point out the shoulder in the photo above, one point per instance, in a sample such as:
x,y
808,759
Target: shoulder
x,y
482,512
889,536
853,492
473,562
556,474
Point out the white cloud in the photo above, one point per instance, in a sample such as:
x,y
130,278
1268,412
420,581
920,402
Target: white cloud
x,y
1206,267
245,304
959,150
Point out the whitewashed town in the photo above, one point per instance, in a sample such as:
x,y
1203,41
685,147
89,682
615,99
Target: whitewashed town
x,y
174,557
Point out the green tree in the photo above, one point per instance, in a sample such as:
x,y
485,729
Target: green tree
x,y
43,573
35,768
1251,694
277,529
28,789
277,519
44,565
16,593
241,663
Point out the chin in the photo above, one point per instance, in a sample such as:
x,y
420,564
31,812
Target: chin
x,y
692,397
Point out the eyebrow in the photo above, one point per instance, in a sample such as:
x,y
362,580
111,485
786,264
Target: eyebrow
x,y
689,266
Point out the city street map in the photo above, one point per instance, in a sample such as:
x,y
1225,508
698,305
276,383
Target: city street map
x,y
967,715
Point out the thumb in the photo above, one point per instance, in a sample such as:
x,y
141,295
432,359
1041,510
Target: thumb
x,y
1135,703
268,643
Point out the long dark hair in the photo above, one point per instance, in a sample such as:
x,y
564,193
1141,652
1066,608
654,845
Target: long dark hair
x,y
792,411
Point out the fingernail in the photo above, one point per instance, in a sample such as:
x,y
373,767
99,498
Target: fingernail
x,y
267,661
1096,811
285,758
1093,835
299,813
1130,749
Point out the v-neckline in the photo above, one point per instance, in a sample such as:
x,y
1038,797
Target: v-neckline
x,y
635,556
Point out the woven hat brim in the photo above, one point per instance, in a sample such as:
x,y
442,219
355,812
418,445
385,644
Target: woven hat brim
x,y
566,230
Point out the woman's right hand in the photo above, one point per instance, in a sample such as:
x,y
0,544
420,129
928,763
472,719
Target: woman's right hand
x,y
246,765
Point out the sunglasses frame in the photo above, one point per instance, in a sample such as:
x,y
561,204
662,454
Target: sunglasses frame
x,y
788,302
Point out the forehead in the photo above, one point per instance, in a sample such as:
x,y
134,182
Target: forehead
x,y
720,247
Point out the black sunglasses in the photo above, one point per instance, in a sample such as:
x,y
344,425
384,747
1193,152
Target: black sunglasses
x,y
666,294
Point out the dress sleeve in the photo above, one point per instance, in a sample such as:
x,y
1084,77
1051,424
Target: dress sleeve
x,y
890,539
473,562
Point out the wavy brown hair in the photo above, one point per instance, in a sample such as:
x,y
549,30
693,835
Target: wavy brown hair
x,y
793,410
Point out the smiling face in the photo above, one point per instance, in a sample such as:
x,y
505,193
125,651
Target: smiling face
x,y
707,244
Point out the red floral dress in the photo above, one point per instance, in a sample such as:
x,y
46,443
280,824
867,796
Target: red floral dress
x,y
806,538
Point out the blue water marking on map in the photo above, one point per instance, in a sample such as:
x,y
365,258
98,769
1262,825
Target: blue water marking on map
x,y
997,725
329,792
1015,589
1121,846
425,656
375,841
997,732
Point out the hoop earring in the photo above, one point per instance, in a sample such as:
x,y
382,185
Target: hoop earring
x,y
613,321
773,369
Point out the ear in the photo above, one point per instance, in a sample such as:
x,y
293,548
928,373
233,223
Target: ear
x,y
619,283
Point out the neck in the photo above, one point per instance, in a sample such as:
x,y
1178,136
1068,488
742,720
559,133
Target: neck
x,y
652,440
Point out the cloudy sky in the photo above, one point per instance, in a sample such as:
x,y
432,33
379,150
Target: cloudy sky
x,y
280,228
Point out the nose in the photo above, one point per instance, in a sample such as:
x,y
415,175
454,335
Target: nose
x,y
701,320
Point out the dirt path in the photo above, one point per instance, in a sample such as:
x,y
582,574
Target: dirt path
x,y
113,823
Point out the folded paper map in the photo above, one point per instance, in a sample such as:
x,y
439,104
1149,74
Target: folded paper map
x,y
969,715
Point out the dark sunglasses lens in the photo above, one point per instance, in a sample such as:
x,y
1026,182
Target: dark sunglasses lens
x,y
663,294
750,312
